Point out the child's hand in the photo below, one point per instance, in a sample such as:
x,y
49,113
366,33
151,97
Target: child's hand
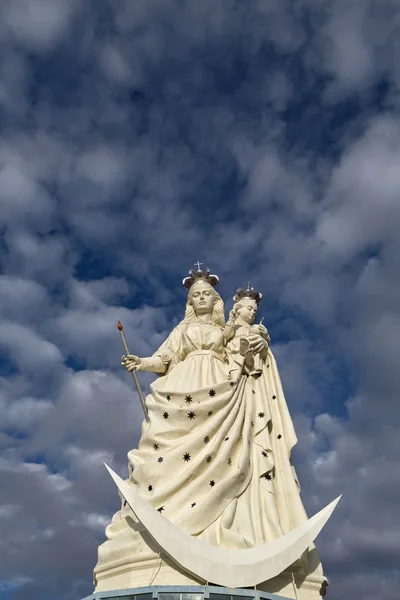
x,y
257,343
233,314
264,332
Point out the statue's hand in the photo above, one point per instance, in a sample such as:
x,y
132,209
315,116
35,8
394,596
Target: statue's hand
x,y
264,333
233,314
131,362
257,342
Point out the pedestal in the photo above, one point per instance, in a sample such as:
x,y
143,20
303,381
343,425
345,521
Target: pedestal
x,y
174,592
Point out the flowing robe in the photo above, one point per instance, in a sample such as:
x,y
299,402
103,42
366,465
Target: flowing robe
x,y
215,454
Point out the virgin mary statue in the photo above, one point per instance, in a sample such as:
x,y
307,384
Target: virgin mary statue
x,y
214,456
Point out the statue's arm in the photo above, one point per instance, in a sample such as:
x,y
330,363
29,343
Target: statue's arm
x,y
153,364
168,355
229,330
259,342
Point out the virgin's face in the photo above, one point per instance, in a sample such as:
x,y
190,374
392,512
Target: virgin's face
x,y
203,299
248,311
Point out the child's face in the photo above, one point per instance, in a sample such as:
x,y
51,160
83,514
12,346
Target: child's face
x,y
248,311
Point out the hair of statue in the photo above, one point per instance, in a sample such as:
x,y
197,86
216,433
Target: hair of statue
x,y
218,312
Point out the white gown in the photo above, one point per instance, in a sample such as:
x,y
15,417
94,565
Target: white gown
x,y
215,455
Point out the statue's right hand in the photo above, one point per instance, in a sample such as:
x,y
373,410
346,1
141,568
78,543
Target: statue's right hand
x,y
131,362
233,314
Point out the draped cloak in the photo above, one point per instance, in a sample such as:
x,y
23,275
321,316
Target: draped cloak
x,y
214,457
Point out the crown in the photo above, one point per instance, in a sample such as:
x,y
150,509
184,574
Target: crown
x,y
200,275
249,293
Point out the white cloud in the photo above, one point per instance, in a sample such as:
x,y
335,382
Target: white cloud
x,y
97,521
351,57
23,299
39,24
104,166
115,65
362,200
160,137
22,198
27,350
23,414
8,510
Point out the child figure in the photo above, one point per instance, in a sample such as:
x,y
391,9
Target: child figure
x,y
240,332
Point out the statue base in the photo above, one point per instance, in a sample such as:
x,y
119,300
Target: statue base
x,y
158,576
189,592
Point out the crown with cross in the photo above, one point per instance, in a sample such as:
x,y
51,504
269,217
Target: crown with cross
x,y
249,293
200,275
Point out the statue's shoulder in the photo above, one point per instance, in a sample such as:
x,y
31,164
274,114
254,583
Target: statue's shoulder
x,y
179,329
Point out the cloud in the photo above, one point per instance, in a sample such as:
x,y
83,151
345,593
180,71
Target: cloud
x,y
139,138
27,350
364,190
23,199
37,25
115,66
24,414
22,299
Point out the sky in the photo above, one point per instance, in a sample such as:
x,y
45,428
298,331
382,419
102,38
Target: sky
x,y
261,138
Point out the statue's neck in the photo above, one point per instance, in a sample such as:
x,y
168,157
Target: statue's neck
x,y
205,319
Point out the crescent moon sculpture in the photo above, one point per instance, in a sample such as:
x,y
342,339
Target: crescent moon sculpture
x,y
229,568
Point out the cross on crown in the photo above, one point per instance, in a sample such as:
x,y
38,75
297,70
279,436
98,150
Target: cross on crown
x,y
200,275
249,293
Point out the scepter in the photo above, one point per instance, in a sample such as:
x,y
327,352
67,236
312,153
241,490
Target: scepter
x,y
135,377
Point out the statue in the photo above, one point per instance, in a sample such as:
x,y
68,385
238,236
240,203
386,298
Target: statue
x,y
240,327
214,456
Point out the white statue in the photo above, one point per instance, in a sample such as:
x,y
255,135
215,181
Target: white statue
x,y
243,337
214,456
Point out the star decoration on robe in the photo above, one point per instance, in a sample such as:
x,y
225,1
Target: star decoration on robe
x,y
226,439
210,412
279,436
273,397
232,383
267,476
165,415
186,457
191,415
125,503
206,439
264,453
252,423
160,460
188,399
193,504
160,509
261,415
212,483
211,393
229,461
150,488
253,391
156,446
168,397
209,458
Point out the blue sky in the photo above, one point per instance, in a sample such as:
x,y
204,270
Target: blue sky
x,y
261,138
